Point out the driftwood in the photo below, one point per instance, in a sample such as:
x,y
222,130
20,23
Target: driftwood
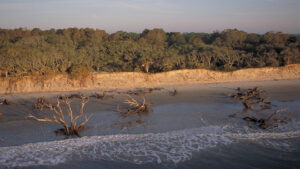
x,y
99,96
57,116
137,109
174,92
76,95
252,97
140,92
4,101
268,122
40,103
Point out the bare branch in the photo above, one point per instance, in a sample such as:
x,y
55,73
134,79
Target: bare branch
x,y
58,115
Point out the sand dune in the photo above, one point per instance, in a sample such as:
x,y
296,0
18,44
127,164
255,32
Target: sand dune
x,y
128,80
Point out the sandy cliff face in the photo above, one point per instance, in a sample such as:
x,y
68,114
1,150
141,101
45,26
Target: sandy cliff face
x,y
127,80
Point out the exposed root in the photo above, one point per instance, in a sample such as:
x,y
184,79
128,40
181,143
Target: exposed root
x,y
57,115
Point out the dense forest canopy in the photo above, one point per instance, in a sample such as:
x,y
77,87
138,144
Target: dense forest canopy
x,y
76,51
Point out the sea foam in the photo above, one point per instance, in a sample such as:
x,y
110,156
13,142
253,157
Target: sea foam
x,y
168,148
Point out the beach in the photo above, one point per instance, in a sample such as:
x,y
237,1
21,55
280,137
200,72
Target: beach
x,y
178,132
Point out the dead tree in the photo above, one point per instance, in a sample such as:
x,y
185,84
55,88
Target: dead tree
x,y
146,65
135,108
58,116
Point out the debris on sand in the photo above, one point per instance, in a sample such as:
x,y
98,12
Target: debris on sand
x,y
40,103
140,92
253,97
99,96
174,92
4,101
271,121
76,95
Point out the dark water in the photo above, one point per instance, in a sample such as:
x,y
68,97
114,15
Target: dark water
x,y
175,136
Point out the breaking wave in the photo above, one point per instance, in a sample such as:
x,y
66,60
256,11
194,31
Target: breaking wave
x,y
168,148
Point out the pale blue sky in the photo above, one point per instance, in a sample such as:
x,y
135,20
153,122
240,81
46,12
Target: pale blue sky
x,y
256,16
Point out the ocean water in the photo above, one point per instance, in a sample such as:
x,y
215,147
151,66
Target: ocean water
x,y
173,136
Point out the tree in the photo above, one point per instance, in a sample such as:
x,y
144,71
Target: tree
x,y
58,116
155,36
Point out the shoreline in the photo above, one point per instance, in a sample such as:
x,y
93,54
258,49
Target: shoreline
x,y
132,80
208,98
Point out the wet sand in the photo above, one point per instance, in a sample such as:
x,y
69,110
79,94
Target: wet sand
x,y
197,115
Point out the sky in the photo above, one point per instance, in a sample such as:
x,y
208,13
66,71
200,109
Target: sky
x,y
255,16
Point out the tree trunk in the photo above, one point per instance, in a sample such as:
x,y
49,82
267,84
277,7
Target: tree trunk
x,y
147,67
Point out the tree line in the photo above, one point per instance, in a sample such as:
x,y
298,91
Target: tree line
x,y
78,52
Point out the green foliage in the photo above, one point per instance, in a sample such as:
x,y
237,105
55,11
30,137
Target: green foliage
x,y
78,71
77,52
